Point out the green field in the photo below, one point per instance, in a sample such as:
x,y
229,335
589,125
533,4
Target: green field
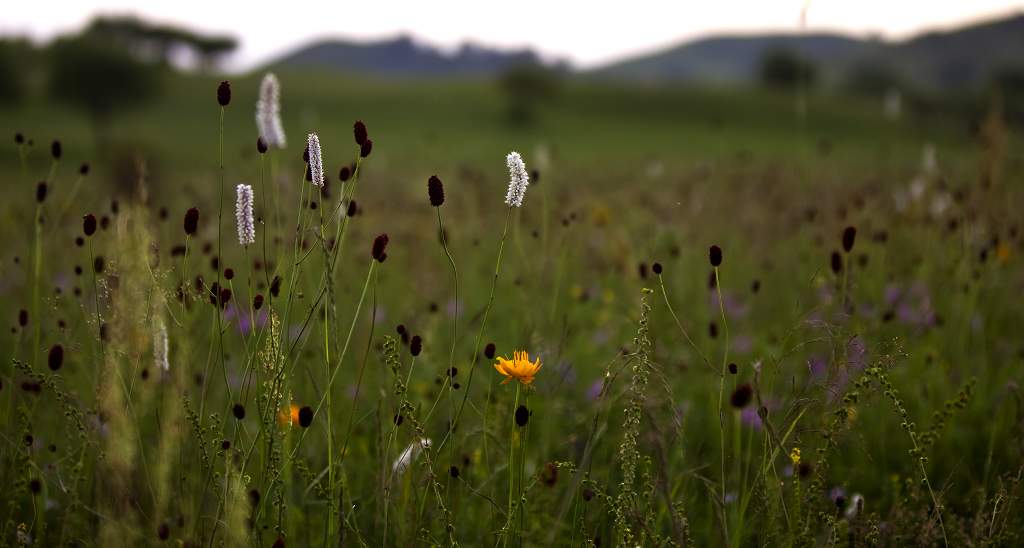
x,y
895,373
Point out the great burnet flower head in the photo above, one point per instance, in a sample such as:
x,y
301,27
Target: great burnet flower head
x,y
519,179
268,112
243,215
519,368
316,160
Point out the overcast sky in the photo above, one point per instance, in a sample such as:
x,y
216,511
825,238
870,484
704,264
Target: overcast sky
x,y
586,33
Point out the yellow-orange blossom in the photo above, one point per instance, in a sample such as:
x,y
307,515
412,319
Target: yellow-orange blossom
x,y
518,368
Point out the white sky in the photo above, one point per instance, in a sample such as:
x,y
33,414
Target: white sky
x,y
586,33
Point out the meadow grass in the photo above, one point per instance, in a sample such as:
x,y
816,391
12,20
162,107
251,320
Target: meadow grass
x,y
337,386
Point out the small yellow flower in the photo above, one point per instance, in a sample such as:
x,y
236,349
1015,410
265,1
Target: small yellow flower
x,y
518,368
794,456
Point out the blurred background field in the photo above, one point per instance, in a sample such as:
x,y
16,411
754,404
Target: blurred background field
x,y
770,153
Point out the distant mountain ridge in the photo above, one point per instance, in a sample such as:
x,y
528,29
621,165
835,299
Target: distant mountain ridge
x,y
402,56
961,58
965,57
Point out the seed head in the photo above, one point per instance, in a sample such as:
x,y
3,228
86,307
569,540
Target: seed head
x,y
224,93
435,190
518,180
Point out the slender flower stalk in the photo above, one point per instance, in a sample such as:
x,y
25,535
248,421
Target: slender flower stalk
x,y
243,215
316,160
268,112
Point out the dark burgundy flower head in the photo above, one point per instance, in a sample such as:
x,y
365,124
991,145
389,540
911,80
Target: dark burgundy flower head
x,y
56,150
416,345
741,396
359,131
89,224
224,93
366,148
435,190
41,192
715,256
261,145
56,357
191,221
849,236
379,244
344,174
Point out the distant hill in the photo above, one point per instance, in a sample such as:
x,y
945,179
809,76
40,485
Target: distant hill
x,y
403,56
960,58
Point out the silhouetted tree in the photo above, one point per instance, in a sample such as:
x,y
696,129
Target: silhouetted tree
x,y
99,77
785,68
524,87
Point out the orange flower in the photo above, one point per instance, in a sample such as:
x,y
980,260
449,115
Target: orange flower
x,y
518,368
289,417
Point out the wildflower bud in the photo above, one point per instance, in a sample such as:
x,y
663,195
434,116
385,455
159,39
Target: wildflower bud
x,y
435,190
275,286
352,209
741,396
489,351
656,268
366,148
257,301
238,411
83,169
733,368
19,138
89,224
191,221
837,262
359,130
453,471
755,286
224,93
56,150
279,543
56,357
229,273
22,317
522,416
164,531
379,243
715,256
416,346
261,145
225,445
305,416
344,173
400,329
305,154
254,497
41,192
849,236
